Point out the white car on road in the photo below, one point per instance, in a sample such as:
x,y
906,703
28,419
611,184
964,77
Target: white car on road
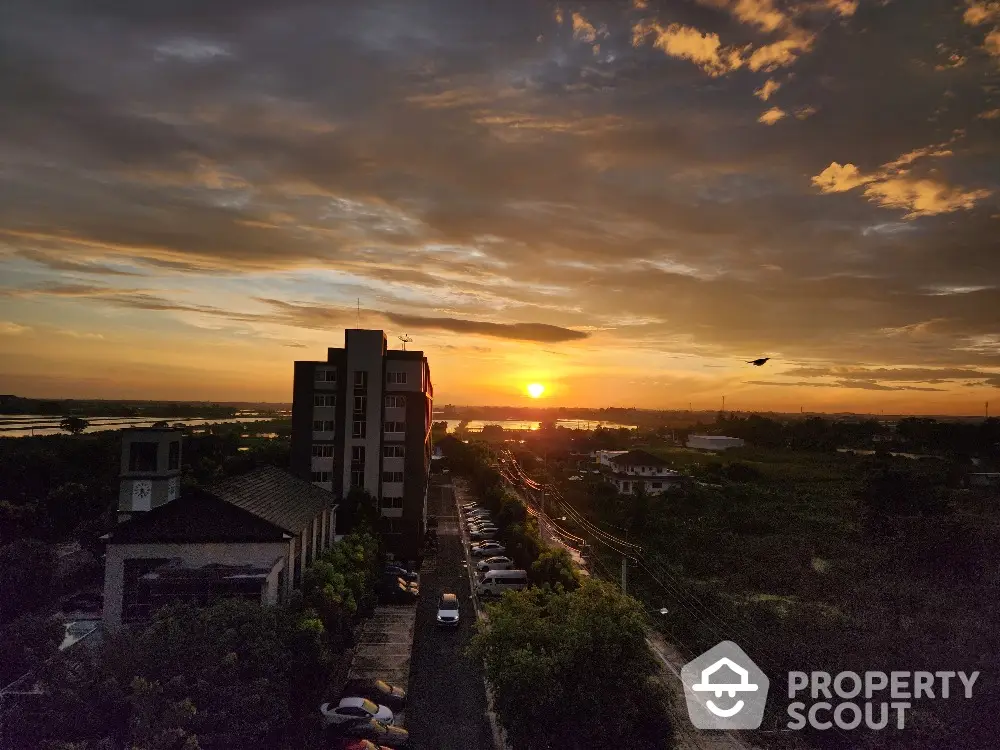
x,y
353,709
494,563
487,549
448,610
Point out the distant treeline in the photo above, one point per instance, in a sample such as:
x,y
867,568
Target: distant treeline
x,y
17,405
911,434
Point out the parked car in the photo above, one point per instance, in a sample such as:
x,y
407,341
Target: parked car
x,y
448,610
350,743
494,563
374,731
353,708
378,691
487,549
478,513
495,582
398,571
484,533
401,591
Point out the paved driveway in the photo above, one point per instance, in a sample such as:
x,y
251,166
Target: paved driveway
x,y
447,705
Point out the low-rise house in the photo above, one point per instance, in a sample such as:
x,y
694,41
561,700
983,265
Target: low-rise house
x,y
246,536
631,470
713,442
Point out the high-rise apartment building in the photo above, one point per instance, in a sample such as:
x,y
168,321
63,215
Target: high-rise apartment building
x,y
362,418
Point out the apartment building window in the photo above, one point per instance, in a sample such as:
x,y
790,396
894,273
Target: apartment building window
x,y
360,404
324,400
358,454
395,402
322,451
326,376
361,380
357,478
395,378
392,503
392,476
324,425
174,456
394,451
321,476
359,429
395,426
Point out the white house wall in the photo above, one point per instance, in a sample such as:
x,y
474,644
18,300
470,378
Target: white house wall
x,y
258,554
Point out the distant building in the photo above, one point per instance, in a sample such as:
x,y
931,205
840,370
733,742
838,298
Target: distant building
x,y
713,442
362,418
249,536
631,470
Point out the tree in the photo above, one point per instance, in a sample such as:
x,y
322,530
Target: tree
x,y
237,674
572,669
554,568
27,642
26,570
74,425
358,509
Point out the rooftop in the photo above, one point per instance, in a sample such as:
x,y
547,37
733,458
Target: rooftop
x,y
639,458
265,505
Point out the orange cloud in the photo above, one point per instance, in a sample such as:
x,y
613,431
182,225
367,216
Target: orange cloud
x,y
922,197
892,185
764,92
782,53
838,178
772,116
685,42
583,29
979,12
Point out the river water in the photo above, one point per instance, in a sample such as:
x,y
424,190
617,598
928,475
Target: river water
x,y
25,425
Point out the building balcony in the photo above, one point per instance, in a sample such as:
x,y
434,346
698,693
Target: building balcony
x,y
323,435
393,464
320,463
325,385
393,436
328,486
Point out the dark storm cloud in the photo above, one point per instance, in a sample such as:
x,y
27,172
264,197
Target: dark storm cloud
x,y
595,186
862,385
539,332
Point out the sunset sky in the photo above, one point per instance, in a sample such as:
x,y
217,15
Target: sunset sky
x,y
621,201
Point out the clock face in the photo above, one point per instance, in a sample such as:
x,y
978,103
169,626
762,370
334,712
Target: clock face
x,y
142,489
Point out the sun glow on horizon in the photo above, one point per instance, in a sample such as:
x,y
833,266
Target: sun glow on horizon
x,y
535,390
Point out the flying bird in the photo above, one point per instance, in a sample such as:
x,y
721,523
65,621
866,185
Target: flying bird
x,y
757,362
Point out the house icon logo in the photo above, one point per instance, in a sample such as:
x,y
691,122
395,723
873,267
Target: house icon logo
x,y
724,689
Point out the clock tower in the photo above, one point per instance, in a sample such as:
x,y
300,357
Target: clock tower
x,y
150,469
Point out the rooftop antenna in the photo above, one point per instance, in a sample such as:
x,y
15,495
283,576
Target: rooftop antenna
x,y
405,339
359,312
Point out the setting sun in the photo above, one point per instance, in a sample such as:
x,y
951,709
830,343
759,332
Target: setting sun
x,y
535,390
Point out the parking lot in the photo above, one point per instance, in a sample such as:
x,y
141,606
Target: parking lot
x,y
447,709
